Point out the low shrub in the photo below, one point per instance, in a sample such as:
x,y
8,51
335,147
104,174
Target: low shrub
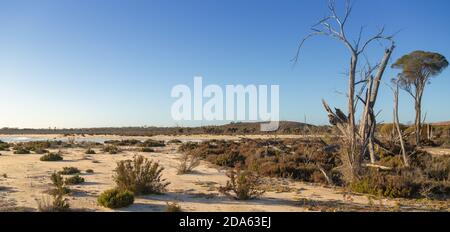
x,y
140,176
188,146
74,180
173,207
90,152
21,151
125,142
147,149
115,198
4,146
59,204
244,185
174,141
152,143
69,171
387,185
111,149
51,157
90,171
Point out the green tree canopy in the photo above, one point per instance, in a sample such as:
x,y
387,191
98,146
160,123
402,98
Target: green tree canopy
x,y
418,67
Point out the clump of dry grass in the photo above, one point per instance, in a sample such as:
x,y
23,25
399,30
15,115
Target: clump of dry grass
x,y
188,161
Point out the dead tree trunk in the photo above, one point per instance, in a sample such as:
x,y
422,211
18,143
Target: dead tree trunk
x,y
397,125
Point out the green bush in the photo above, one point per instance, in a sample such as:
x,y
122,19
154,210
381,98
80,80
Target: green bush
x,y
147,149
115,198
51,157
4,146
69,171
140,176
59,186
21,151
244,185
74,180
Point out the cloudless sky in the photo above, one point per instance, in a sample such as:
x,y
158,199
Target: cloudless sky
x,y
93,63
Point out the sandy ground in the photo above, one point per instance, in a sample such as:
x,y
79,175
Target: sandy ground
x,y
27,179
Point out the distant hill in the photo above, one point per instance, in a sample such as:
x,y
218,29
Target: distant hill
x,y
285,127
447,123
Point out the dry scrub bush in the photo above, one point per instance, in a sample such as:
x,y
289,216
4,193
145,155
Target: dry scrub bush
x,y
74,180
173,207
188,161
401,185
51,157
125,142
147,149
297,159
140,176
152,143
90,151
69,171
243,184
111,149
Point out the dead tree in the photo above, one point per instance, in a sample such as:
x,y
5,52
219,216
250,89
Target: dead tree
x,y
355,140
395,90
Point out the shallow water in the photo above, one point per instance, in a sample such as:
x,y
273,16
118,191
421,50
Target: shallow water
x,y
19,139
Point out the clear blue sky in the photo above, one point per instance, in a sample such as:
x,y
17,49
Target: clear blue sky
x,y
91,63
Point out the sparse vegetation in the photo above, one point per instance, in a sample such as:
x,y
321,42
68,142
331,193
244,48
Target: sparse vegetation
x,y
243,184
74,180
21,151
90,152
152,143
90,171
52,157
115,198
140,176
147,149
111,149
4,146
69,171
59,203
125,142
